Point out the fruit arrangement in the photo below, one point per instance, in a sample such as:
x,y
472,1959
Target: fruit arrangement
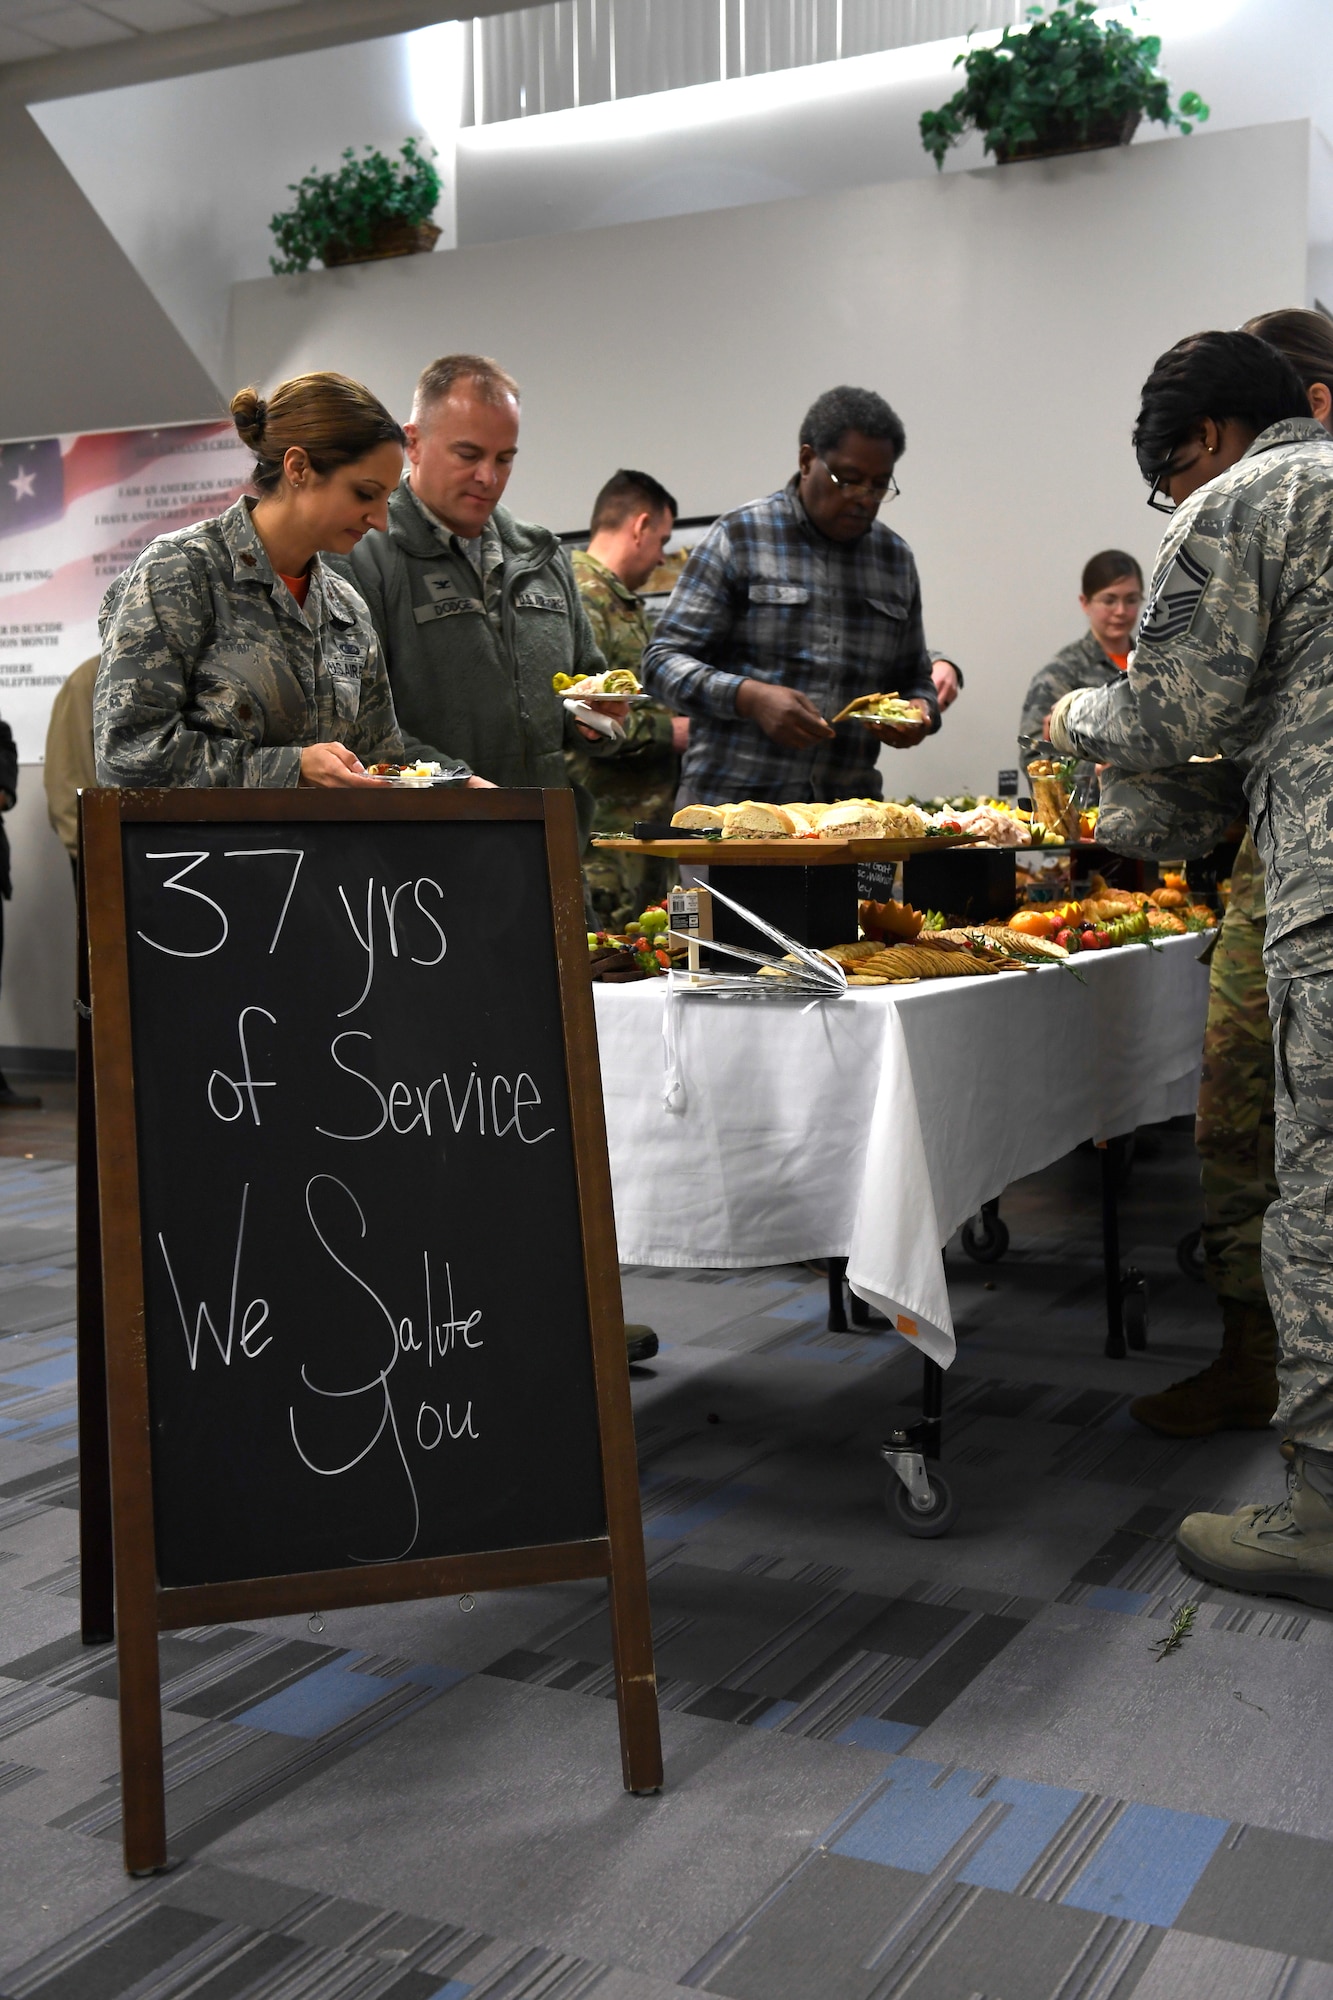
x,y
892,922
1111,917
640,951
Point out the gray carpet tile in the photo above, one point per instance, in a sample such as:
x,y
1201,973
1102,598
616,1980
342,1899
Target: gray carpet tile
x,y
502,1807
932,1769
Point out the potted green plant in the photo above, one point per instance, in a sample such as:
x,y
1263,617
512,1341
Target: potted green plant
x,y
369,208
1066,84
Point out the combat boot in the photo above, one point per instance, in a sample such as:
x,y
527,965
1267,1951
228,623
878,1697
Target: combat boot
x,y
640,1341
1237,1392
1285,1550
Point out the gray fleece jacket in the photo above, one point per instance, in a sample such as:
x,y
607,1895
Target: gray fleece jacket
x,y
471,679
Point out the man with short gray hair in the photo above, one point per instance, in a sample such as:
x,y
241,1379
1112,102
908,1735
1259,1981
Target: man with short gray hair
x,y
477,611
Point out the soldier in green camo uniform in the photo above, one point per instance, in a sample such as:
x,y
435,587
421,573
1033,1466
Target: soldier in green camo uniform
x,y
1233,664
231,653
1234,1135
632,521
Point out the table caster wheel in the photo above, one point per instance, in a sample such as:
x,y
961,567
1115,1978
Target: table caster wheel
x,y
1189,1254
923,1522
985,1238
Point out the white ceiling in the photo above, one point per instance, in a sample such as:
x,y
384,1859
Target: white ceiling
x,y
30,28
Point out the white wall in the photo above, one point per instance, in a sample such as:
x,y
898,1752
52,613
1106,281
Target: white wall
x,y
86,345
1010,314
846,124
229,143
186,171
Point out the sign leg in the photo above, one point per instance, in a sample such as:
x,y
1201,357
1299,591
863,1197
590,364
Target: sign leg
x,y
96,1582
636,1677
143,1798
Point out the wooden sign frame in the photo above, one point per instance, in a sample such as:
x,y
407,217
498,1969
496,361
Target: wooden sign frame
x,y
117,1524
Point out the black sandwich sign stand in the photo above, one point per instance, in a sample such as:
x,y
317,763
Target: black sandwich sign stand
x,y
350,1320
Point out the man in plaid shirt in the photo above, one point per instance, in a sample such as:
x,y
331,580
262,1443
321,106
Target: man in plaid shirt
x,y
790,608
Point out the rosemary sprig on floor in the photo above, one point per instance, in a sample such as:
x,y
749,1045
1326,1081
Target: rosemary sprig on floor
x,y
1179,1630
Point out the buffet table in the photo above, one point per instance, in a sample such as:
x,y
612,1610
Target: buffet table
x,y
869,1127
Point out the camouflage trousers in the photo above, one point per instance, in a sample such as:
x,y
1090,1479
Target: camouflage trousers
x,y
1234,1127
619,887
1298,1230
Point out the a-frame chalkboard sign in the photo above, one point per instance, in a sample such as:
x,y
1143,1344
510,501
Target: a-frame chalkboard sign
x,y
359,1307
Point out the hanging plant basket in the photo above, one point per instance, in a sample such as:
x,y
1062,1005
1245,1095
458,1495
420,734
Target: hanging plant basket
x,y
389,238
1067,83
1107,132
370,207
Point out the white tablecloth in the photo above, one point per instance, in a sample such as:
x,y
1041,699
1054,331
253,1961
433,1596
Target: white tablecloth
x,y
869,1127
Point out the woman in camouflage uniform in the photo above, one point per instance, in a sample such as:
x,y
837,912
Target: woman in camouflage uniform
x,y
231,654
1234,1128
1234,665
1111,597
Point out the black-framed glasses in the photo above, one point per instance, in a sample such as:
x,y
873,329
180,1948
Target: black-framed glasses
x,y
881,491
1159,499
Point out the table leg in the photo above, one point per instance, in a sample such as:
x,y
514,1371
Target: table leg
x,y
1108,1151
837,1297
1126,1288
932,1407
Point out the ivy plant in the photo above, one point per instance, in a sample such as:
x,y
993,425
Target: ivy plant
x,y
342,209
1064,79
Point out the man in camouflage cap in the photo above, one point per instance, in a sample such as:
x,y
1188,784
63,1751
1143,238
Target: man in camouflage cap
x,y
632,520
1233,663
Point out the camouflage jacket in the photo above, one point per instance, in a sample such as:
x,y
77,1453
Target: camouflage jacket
x,y
1082,664
213,674
640,781
1234,660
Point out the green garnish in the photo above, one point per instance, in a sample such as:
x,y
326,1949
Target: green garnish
x,y
1179,1630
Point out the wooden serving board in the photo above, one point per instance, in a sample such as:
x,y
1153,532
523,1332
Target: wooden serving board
x,y
783,853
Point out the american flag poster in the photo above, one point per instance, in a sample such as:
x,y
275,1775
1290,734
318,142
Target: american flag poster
x,y
74,512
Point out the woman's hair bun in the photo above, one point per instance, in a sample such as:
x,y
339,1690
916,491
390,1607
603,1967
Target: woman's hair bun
x,y
249,413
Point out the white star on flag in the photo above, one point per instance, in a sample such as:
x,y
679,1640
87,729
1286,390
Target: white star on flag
x,y
23,484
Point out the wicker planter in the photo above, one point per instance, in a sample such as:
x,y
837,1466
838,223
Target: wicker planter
x,y
390,238
1110,132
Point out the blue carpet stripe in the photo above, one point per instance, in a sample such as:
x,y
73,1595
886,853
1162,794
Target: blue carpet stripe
x,y
1036,1814
916,1820
1143,1870
1146,1867
871,1732
336,1693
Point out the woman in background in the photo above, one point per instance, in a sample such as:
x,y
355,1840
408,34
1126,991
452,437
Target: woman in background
x,y
1112,598
231,654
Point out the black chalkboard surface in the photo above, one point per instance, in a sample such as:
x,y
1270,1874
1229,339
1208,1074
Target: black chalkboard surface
x,y
357,1334
366,1321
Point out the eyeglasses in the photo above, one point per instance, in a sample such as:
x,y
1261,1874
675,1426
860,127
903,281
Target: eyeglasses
x,y
1159,499
881,491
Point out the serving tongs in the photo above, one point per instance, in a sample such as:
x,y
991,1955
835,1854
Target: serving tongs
x,y
812,972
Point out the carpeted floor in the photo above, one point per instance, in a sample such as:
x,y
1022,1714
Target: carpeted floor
x,y
949,1769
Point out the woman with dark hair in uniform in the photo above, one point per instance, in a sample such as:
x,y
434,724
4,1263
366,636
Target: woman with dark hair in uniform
x,y
1234,1127
1227,701
1111,598
231,653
